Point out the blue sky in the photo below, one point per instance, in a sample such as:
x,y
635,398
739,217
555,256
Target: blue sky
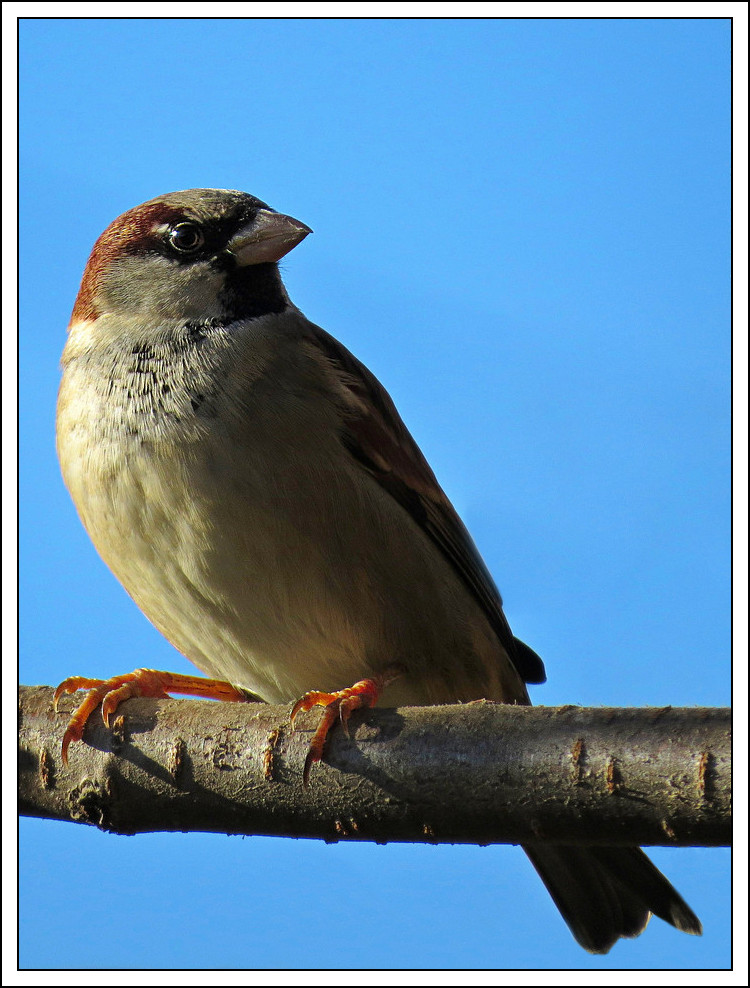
x,y
523,228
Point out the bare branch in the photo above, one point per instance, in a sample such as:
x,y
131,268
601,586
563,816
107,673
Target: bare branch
x,y
475,773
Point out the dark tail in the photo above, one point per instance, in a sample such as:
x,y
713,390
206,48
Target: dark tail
x,y
605,893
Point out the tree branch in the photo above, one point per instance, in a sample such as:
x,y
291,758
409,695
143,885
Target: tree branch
x,y
475,773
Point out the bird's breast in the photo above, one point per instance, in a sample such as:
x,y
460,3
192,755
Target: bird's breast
x,y
233,515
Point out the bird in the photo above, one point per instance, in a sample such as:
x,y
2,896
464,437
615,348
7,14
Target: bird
x,y
252,486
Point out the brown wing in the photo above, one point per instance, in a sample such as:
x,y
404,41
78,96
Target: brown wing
x,y
375,434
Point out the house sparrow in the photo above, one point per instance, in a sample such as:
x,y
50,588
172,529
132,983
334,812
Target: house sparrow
x,y
253,487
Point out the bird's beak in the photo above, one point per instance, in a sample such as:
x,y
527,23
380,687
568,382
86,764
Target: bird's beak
x,y
268,238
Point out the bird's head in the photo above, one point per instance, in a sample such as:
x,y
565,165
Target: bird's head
x,y
198,254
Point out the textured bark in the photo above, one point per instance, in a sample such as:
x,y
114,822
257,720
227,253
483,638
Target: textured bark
x,y
475,773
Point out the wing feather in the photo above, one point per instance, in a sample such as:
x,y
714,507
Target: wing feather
x,y
376,436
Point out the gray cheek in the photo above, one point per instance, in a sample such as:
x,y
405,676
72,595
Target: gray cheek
x,y
160,287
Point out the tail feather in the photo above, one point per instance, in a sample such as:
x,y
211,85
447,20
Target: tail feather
x,y
605,893
636,872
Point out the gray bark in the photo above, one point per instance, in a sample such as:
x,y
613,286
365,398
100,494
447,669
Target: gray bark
x,y
476,773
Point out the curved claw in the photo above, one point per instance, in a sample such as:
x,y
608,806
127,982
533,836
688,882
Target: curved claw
x,y
110,693
97,692
73,683
315,751
339,706
70,735
310,700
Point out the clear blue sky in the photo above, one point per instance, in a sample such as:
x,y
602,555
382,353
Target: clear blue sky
x,y
522,227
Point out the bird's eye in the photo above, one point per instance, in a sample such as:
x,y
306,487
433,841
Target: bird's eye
x,y
186,237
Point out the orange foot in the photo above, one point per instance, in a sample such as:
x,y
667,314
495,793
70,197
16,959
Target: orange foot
x,y
143,682
339,706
